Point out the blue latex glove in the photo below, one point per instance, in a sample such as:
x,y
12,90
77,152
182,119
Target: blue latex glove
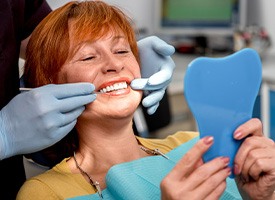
x,y
157,68
37,119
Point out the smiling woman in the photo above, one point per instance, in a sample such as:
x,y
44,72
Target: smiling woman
x,y
88,42
91,41
66,30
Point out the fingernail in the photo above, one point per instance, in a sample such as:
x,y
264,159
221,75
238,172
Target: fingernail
x,y
228,171
236,170
238,135
225,160
208,140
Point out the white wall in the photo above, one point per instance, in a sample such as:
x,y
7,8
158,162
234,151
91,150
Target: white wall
x,y
55,4
261,12
140,11
267,19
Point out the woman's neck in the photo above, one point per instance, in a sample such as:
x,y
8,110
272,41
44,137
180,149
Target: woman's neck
x,y
109,136
104,145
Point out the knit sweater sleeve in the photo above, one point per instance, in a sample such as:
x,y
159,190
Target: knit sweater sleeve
x,y
170,142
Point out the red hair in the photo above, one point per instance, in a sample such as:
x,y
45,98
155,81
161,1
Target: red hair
x,y
49,46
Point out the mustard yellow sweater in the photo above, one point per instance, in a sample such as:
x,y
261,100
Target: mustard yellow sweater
x,y
60,183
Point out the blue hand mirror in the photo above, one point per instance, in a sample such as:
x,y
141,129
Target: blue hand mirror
x,y
220,93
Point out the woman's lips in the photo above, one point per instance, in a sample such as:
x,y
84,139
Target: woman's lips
x,y
115,87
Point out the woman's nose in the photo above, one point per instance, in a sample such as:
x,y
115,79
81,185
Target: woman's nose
x,y
113,64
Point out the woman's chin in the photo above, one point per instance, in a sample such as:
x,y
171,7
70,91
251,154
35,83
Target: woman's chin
x,y
122,110
114,106
115,110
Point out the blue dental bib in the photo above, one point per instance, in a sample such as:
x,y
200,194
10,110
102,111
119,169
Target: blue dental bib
x,y
140,179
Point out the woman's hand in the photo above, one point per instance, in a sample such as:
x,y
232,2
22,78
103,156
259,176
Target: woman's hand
x,y
193,179
255,161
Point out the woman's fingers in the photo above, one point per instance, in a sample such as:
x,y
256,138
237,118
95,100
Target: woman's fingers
x,y
205,182
262,166
247,152
251,127
217,192
193,179
207,171
259,161
191,159
256,161
261,181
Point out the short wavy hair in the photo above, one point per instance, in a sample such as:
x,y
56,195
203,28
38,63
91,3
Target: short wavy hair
x,y
49,48
49,45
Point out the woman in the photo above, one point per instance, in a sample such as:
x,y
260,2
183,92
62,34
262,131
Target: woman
x,y
94,42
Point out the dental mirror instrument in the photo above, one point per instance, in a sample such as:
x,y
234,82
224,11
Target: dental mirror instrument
x,y
22,89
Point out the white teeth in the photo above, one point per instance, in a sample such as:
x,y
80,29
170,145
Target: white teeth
x,y
116,86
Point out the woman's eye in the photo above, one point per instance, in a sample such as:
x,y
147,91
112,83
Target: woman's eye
x,y
88,58
122,52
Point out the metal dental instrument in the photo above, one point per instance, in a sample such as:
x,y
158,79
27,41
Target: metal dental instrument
x,y
24,89
28,89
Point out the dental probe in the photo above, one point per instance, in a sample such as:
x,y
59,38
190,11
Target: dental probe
x,y
24,89
28,89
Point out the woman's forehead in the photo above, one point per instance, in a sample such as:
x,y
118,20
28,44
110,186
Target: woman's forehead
x,y
77,43
79,34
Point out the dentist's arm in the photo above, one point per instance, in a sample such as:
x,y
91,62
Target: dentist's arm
x,y
41,117
157,69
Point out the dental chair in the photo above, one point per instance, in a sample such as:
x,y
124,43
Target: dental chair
x,y
144,124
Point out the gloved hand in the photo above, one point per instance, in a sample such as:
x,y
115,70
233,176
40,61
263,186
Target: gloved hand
x,y
157,68
37,119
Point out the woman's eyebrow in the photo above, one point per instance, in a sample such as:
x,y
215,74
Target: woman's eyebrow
x,y
119,37
80,46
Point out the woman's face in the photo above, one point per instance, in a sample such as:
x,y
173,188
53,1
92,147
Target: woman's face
x,y
110,65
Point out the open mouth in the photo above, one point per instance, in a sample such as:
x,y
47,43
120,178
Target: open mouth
x,y
114,87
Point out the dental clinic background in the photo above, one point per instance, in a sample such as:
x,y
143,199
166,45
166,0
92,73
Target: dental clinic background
x,y
259,12
256,13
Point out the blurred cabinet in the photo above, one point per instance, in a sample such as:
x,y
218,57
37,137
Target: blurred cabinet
x,y
264,109
268,96
265,104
